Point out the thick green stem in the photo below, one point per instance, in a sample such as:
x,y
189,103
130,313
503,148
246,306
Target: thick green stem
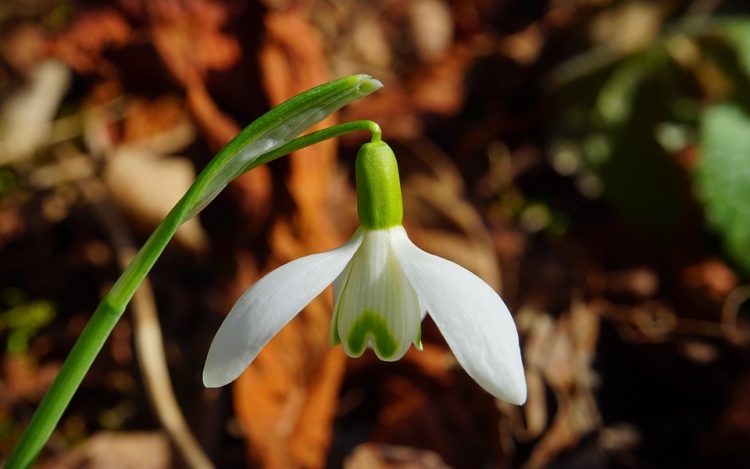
x,y
112,306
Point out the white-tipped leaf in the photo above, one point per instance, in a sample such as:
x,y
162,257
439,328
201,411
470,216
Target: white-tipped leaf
x,y
267,306
375,304
473,319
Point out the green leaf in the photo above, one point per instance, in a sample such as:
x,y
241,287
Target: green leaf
x,y
722,177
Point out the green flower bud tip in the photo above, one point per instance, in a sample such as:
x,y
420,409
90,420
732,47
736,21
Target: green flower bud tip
x,y
379,203
369,85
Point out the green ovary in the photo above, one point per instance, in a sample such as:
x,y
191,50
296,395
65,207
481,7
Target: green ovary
x,y
370,326
379,202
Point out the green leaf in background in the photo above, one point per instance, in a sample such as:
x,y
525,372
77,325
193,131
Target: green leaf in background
x,y
737,33
619,139
722,177
23,320
639,178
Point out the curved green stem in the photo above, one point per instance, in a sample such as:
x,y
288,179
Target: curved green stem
x,y
319,136
112,306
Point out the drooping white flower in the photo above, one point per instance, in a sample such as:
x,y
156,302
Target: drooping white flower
x,y
383,285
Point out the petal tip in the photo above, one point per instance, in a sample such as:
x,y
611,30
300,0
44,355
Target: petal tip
x,y
513,392
211,380
512,388
518,394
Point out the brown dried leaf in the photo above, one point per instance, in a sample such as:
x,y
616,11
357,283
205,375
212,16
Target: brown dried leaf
x,y
558,353
26,117
23,47
188,37
90,34
439,88
218,127
147,119
560,436
146,187
253,189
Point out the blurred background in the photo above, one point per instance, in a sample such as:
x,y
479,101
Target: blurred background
x,y
590,159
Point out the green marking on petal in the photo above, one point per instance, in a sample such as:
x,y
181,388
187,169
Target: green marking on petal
x,y
372,326
334,338
418,338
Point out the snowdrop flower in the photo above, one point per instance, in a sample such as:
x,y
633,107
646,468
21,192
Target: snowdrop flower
x,y
383,286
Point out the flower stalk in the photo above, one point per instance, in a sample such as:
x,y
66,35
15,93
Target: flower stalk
x,y
269,137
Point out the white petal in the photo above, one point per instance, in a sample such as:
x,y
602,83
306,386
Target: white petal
x,y
377,306
473,319
267,306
